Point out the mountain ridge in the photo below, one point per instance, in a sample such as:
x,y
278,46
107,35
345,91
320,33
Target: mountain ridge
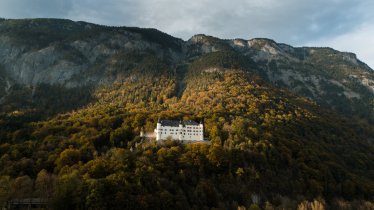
x,y
74,98
71,54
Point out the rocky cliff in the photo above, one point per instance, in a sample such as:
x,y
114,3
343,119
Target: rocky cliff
x,y
68,54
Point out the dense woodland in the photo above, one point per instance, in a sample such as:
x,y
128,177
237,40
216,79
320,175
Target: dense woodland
x,y
269,149
79,148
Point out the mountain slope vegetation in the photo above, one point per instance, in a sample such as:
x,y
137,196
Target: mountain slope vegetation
x,y
72,137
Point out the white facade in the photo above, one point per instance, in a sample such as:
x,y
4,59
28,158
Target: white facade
x,y
179,130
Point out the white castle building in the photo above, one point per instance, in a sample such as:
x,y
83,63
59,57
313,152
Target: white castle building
x,y
179,130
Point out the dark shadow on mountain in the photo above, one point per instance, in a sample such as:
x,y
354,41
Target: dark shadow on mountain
x,y
46,100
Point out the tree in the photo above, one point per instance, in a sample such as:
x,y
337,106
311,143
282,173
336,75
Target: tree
x,y
98,168
69,193
121,136
68,157
254,207
5,187
99,194
44,184
22,187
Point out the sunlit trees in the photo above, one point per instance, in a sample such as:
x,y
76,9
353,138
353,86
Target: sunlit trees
x,y
262,141
68,157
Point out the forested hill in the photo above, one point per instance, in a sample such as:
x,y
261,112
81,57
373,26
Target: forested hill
x,y
288,127
65,59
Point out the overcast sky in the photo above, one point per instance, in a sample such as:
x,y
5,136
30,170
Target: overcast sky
x,y
346,25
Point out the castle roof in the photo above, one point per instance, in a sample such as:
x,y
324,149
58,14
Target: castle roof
x,y
176,123
172,123
190,122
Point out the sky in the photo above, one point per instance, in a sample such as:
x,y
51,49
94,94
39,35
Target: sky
x,y
345,25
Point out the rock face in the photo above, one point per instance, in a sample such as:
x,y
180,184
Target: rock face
x,y
66,61
71,54
332,78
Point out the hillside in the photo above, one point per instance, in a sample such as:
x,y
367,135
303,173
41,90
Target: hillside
x,y
63,55
334,79
75,96
337,80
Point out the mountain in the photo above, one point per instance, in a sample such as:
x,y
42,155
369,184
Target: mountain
x,y
334,79
60,55
66,55
288,127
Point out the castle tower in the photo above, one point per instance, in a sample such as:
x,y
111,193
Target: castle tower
x,y
201,126
157,131
180,131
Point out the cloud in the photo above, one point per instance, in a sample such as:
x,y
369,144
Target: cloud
x,y
35,8
296,22
110,12
289,20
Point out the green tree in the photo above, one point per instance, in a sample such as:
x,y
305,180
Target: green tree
x,y
121,136
5,188
22,187
69,193
45,184
68,157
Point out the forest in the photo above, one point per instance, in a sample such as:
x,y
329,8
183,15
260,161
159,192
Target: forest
x,y
272,146
269,149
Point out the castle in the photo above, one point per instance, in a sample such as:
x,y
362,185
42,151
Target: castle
x,y
179,130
